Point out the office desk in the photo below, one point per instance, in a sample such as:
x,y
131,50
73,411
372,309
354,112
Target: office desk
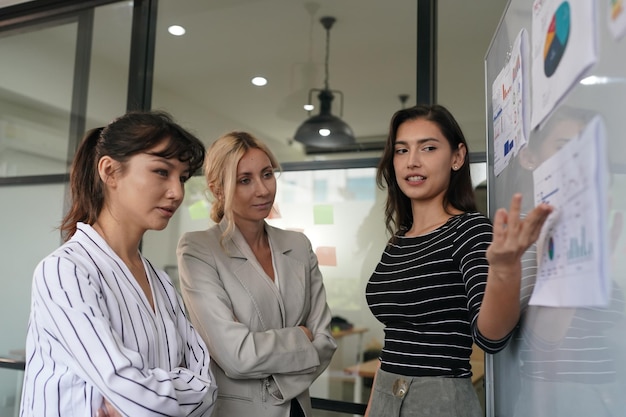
x,y
18,365
355,331
338,334
12,363
337,365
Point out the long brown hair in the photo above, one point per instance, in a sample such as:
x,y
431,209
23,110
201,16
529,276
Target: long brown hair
x,y
128,135
460,193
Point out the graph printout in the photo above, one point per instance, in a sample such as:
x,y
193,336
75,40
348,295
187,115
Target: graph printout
x,y
572,247
510,104
617,18
563,48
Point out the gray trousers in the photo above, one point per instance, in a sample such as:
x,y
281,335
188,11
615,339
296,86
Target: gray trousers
x,y
401,396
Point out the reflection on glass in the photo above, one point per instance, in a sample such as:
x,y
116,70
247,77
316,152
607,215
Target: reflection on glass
x,y
36,89
34,112
39,80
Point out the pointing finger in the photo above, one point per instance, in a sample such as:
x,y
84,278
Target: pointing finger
x,y
535,221
514,211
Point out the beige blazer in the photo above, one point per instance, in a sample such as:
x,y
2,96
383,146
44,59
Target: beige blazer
x,y
260,358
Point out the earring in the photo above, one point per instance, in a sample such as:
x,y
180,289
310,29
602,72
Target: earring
x,y
454,167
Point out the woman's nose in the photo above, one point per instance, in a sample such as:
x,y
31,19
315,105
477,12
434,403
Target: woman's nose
x,y
413,160
261,188
176,190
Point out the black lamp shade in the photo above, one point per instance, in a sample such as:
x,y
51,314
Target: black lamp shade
x,y
309,132
340,133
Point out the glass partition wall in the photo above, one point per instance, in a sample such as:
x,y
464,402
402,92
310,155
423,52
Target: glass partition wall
x,y
75,67
61,75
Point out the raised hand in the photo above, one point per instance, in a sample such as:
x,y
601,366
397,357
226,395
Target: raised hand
x,y
512,235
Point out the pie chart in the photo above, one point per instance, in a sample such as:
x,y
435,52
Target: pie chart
x,y
556,38
551,248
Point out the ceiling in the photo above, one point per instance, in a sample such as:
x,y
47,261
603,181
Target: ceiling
x,y
372,61
203,77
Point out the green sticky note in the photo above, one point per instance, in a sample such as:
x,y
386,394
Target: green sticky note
x,y
199,210
323,214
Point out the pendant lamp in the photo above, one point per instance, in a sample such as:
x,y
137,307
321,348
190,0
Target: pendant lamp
x,y
325,130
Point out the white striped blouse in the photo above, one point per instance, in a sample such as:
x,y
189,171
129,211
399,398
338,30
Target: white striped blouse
x,y
92,334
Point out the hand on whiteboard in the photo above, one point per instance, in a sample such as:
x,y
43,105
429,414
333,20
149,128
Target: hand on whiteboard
x,y
513,235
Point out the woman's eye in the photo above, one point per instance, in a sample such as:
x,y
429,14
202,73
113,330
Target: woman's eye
x,y
183,179
400,150
162,172
244,181
429,148
268,174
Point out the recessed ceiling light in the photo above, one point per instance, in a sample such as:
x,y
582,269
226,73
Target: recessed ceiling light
x,y
309,107
176,30
259,81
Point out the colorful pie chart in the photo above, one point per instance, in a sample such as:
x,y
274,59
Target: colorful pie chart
x,y
551,248
556,39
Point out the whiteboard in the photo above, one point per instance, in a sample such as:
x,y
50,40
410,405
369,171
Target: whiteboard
x,y
566,359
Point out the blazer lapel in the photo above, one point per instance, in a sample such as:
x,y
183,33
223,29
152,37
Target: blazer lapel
x,y
292,276
261,290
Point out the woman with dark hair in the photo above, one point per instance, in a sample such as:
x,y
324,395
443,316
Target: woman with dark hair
x,y
108,334
441,284
254,292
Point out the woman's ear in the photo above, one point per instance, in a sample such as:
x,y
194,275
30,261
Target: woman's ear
x,y
107,168
216,191
459,157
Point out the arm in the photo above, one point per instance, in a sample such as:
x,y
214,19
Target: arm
x,y
75,323
107,410
369,401
500,308
318,322
196,353
223,310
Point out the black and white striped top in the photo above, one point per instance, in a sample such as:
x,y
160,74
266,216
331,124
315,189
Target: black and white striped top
x,y
92,334
427,291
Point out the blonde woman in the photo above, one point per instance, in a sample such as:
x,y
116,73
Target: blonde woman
x,y
254,291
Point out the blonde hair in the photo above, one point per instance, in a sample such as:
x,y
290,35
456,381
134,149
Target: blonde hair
x,y
220,172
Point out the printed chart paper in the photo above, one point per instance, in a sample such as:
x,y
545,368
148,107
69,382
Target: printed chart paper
x,y
510,105
617,18
572,247
563,48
